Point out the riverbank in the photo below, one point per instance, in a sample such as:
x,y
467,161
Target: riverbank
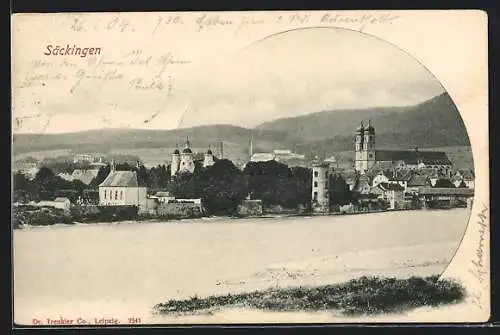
x,y
52,216
361,296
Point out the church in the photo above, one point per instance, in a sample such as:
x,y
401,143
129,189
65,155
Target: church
x,y
184,162
368,157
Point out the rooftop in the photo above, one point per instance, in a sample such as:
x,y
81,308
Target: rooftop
x,y
85,176
390,186
120,179
446,191
413,157
418,180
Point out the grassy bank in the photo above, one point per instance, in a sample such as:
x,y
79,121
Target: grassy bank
x,y
366,295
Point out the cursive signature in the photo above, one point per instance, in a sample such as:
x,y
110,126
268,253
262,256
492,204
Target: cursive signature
x,y
477,299
358,20
478,266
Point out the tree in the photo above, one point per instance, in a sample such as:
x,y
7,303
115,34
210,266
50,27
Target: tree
x,y
272,182
339,193
21,182
162,174
223,187
44,175
101,175
22,187
184,186
301,183
143,176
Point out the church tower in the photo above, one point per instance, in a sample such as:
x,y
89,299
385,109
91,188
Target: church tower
x,y
369,146
365,148
359,138
174,165
187,159
320,197
209,158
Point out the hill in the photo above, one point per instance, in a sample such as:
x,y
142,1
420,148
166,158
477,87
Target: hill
x,y
433,123
105,140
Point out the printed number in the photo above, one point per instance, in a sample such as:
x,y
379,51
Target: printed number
x,y
134,320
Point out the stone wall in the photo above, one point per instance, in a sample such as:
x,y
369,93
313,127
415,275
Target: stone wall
x,y
179,210
250,207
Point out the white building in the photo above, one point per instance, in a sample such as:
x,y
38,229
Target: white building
x,y
164,197
59,203
87,157
464,176
62,203
262,157
209,158
182,161
175,162
121,188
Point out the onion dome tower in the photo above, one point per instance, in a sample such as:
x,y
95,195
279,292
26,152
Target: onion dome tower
x,y
359,139
187,159
174,165
209,158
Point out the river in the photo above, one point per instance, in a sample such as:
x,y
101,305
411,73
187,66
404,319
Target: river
x,y
120,270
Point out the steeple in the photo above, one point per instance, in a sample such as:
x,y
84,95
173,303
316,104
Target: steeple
x,y
361,128
187,148
176,151
370,127
209,158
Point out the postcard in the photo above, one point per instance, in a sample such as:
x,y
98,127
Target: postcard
x,y
250,167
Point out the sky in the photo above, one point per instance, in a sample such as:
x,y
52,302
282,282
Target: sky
x,y
308,71
284,75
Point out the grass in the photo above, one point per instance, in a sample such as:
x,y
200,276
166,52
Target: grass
x,y
362,296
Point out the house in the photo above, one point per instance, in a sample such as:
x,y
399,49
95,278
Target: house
x,y
433,176
62,203
416,181
400,177
98,164
362,184
393,194
286,155
262,157
87,157
122,188
464,176
164,196
59,203
379,178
